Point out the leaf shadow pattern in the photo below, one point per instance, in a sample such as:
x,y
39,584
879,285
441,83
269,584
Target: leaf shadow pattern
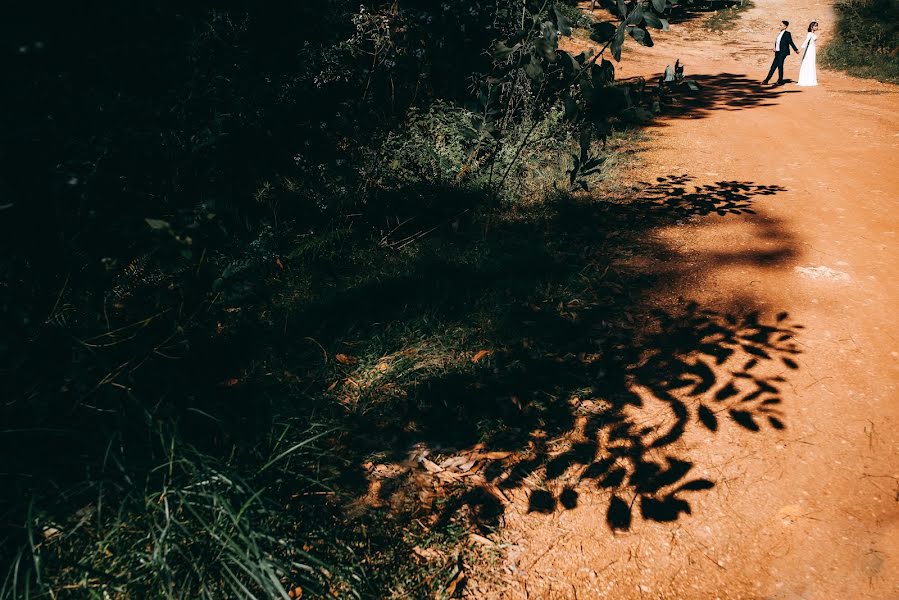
x,y
675,194
704,367
721,91
595,390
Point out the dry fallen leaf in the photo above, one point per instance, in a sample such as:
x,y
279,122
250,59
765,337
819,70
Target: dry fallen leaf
x,y
498,455
482,540
465,467
449,476
345,360
454,583
454,461
430,465
481,354
426,553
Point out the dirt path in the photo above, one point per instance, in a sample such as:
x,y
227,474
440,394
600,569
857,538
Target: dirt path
x,y
805,506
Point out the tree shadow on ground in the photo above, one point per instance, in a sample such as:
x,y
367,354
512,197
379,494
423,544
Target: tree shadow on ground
x,y
587,375
722,91
542,349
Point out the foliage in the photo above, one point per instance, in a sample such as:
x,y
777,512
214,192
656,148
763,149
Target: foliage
x,y
195,199
577,17
866,41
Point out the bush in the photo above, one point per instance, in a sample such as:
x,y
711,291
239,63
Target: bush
x,y
199,203
866,41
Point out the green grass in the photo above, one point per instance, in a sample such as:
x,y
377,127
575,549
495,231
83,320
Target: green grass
x,y
726,19
256,485
866,41
296,471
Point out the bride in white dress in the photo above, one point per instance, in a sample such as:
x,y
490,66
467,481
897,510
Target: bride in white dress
x,y
807,72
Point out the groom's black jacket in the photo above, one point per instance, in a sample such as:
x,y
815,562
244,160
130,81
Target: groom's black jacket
x,y
786,42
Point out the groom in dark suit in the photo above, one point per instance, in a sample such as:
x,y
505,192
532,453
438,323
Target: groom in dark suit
x,y
782,45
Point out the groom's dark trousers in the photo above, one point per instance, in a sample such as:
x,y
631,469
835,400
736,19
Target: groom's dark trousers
x,y
786,42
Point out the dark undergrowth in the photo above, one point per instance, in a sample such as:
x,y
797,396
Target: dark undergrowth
x,y
866,40
300,452
265,272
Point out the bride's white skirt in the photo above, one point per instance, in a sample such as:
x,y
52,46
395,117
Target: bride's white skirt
x,y
807,72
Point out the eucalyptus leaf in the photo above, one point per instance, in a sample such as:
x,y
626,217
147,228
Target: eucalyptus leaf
x,y
652,20
546,48
603,32
642,36
158,224
604,72
669,74
501,51
635,15
618,42
571,63
659,5
563,25
534,71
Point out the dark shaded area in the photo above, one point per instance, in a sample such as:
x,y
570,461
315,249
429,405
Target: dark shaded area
x,y
204,238
570,295
723,91
622,379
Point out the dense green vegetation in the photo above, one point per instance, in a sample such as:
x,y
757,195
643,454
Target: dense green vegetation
x,y
866,40
249,253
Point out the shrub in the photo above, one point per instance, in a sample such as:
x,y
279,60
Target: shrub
x,y
866,41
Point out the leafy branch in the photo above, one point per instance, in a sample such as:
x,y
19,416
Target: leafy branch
x,y
583,85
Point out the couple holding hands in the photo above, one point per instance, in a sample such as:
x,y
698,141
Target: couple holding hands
x,y
782,44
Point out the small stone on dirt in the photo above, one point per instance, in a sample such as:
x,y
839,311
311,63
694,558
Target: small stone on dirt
x,y
822,272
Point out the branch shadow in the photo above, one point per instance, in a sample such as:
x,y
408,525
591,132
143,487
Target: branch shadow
x,y
591,379
722,91
602,367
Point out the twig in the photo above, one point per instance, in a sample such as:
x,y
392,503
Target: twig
x,y
325,352
59,297
412,238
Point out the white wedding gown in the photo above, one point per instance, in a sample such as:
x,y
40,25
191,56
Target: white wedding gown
x,y
807,71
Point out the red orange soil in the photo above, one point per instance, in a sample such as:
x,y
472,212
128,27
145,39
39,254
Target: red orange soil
x,y
810,511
